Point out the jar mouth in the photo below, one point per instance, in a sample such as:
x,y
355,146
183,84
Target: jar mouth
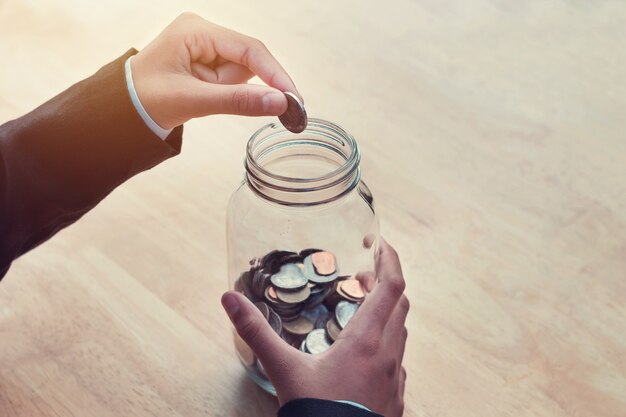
x,y
314,127
322,162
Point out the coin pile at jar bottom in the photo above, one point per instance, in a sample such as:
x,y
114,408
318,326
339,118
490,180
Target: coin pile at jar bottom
x,y
302,296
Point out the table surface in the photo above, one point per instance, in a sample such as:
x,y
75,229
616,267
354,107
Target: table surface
x,y
493,139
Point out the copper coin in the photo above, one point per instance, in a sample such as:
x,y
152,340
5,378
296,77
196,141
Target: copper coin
x,y
294,118
352,288
324,263
293,297
270,294
344,295
300,326
308,269
332,329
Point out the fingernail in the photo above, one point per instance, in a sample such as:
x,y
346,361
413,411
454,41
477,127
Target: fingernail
x,y
231,304
274,103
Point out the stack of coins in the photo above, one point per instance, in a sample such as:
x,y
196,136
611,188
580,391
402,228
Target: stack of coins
x,y
302,296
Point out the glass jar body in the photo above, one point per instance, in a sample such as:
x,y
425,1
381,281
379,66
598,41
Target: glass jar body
x,y
346,226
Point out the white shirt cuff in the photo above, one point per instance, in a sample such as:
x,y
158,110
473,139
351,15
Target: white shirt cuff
x,y
158,130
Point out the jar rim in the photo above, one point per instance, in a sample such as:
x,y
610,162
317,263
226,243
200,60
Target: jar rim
x,y
350,163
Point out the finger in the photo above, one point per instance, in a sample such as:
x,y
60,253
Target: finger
x,y
367,280
232,73
373,315
253,54
254,329
368,241
396,324
404,335
402,382
396,408
243,99
226,73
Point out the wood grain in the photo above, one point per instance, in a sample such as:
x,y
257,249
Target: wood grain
x,y
493,139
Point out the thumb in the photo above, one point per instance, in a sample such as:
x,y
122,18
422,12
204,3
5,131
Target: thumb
x,y
241,99
254,329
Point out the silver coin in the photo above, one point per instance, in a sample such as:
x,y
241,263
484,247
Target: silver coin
x,y
309,271
316,341
294,118
344,311
289,277
303,346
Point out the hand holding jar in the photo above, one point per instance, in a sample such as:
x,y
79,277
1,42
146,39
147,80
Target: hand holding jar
x,y
363,365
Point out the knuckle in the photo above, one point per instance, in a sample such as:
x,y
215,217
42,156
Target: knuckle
x,y
249,330
392,253
391,368
405,304
258,44
241,100
405,334
370,348
397,285
187,15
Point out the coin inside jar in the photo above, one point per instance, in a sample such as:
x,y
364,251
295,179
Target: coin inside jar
x,y
324,263
270,294
289,277
300,294
294,118
316,341
333,329
275,322
309,271
301,326
293,297
351,289
344,311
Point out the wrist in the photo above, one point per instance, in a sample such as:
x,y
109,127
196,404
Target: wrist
x,y
139,106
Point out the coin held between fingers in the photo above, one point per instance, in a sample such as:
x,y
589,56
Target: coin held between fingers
x,y
294,119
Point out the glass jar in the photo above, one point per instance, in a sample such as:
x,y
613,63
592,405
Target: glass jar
x,y
302,210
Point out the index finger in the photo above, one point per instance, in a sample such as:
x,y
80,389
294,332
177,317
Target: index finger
x,y
378,306
253,54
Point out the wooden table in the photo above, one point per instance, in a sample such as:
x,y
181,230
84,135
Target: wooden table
x,y
494,139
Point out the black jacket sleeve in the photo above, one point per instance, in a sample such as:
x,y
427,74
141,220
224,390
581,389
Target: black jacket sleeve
x,y
58,161
311,407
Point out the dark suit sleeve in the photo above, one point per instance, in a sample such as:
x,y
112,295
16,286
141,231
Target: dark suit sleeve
x,y
58,161
311,407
